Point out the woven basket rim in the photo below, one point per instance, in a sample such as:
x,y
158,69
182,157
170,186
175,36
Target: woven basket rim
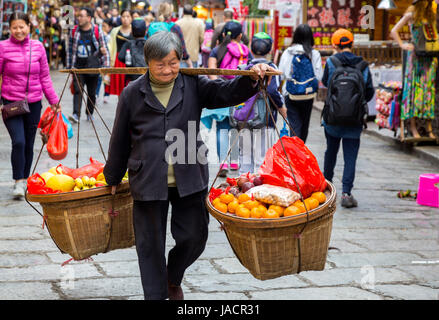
x,y
77,195
278,222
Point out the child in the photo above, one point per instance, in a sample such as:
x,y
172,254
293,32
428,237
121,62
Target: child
x,y
342,41
135,57
254,142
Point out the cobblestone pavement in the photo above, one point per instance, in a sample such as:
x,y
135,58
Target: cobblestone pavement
x,y
387,248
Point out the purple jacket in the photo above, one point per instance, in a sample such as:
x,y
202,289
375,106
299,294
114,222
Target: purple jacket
x,y
14,67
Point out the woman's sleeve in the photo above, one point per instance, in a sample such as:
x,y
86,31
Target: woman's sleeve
x,y
283,65
45,80
221,93
1,60
317,65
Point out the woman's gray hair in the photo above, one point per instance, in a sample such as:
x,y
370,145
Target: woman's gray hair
x,y
160,44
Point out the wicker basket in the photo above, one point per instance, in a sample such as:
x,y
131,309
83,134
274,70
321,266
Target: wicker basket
x,y
270,248
80,222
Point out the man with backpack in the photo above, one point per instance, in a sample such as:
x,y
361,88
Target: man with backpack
x,y
131,52
87,49
350,87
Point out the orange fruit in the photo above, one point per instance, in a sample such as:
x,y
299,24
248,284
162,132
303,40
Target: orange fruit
x,y
227,197
250,204
291,211
242,212
262,207
221,207
278,209
215,201
257,212
243,197
320,196
297,202
232,206
311,203
300,205
271,214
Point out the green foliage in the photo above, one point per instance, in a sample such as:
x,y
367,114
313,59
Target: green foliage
x,y
253,8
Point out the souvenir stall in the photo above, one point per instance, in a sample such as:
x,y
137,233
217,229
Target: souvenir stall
x,y
45,18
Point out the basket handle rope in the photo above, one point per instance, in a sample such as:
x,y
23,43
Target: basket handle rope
x,y
81,88
35,166
113,214
263,83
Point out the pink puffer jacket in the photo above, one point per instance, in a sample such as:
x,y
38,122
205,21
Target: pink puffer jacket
x,y
14,67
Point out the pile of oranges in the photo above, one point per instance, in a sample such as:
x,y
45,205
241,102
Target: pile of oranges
x,y
245,207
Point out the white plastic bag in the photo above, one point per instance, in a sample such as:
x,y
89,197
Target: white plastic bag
x,y
270,194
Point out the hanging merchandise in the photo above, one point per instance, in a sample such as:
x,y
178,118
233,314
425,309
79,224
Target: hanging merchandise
x,y
289,13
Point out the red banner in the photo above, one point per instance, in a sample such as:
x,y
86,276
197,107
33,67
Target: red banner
x,y
282,35
326,16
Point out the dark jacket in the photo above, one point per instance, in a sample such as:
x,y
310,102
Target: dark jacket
x,y
143,130
136,49
350,59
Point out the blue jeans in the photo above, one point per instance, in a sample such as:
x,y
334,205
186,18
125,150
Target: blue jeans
x,y
22,130
223,141
299,115
350,153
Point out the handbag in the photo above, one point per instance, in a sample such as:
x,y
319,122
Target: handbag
x,y
20,107
428,44
93,60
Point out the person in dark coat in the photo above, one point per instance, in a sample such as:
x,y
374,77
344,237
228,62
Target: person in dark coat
x,y
156,136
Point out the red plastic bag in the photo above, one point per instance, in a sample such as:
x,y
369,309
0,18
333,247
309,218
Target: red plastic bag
x,y
58,143
93,169
36,185
45,120
276,171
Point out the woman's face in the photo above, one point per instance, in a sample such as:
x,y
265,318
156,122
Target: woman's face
x,y
126,19
106,28
19,29
166,69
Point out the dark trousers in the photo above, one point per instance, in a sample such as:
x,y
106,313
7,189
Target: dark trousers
x,y
91,82
350,153
189,228
299,115
22,130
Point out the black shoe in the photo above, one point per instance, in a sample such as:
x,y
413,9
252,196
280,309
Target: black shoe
x,y
348,201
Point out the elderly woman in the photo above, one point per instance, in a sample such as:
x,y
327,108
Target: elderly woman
x,y
156,136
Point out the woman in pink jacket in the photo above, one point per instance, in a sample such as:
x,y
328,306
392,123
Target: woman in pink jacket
x,y
14,70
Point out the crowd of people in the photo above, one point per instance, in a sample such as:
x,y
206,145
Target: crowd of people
x,y
174,101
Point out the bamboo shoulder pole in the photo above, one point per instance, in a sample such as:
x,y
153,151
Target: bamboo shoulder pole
x,y
189,71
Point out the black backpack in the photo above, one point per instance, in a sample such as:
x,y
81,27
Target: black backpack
x,y
346,103
137,55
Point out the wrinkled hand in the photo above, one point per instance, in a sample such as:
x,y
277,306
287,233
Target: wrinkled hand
x,y
55,107
260,69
